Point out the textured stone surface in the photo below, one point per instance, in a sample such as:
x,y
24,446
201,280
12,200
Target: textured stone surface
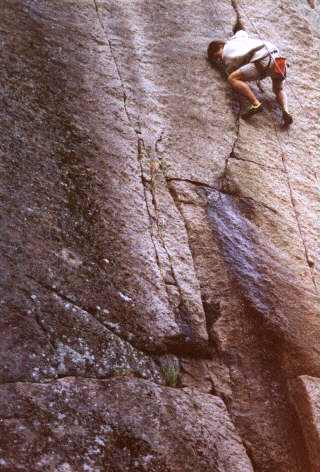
x,y
306,395
141,218
117,425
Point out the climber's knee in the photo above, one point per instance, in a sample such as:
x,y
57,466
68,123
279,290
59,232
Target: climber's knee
x,y
235,76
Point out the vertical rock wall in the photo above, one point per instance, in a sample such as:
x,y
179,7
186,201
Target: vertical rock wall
x,y
160,305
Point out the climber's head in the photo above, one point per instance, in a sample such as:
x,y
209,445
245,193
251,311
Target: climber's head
x,y
214,52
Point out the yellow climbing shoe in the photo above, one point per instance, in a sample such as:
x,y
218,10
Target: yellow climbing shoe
x,y
252,110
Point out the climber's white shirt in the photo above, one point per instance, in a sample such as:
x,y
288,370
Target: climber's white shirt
x,y
240,50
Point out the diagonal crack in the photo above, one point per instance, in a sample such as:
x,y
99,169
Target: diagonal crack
x,y
304,243
263,166
179,307
218,189
141,151
148,186
44,329
140,142
121,336
108,40
61,377
180,311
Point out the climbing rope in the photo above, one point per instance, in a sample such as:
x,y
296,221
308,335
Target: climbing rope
x,y
307,114
304,242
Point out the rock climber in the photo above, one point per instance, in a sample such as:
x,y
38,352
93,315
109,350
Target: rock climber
x,y
246,59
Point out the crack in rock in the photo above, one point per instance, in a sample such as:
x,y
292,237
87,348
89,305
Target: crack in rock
x,y
310,264
108,40
170,279
122,336
148,186
141,150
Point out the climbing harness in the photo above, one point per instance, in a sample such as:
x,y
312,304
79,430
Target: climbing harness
x,y
279,66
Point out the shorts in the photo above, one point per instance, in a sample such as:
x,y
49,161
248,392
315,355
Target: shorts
x,y
250,71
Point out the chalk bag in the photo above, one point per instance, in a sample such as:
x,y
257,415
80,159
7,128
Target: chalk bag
x,y
280,66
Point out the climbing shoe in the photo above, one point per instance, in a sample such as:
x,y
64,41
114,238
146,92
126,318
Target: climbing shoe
x,y
287,118
252,110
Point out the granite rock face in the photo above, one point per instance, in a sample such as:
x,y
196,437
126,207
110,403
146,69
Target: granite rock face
x,y
117,425
306,395
159,272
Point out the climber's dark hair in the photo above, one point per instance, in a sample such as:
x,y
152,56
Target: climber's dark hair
x,y
213,48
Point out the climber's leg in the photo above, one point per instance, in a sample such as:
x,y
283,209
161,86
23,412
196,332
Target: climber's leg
x,y
281,96
237,81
